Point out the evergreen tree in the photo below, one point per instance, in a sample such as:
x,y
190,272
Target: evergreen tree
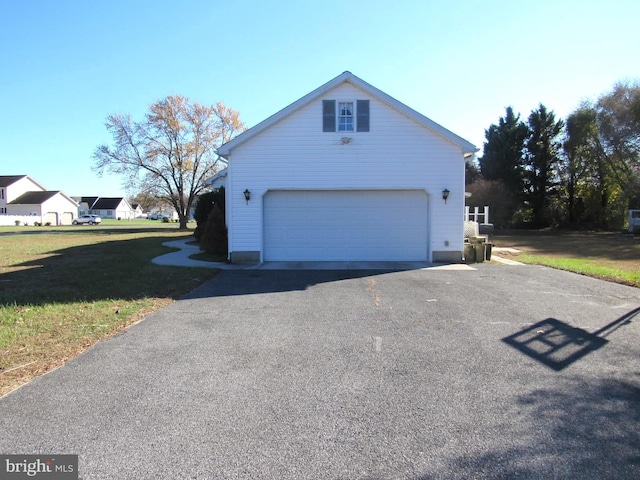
x,y
215,236
204,206
471,172
503,152
542,162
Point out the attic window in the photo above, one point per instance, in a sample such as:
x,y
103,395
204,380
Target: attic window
x,y
345,116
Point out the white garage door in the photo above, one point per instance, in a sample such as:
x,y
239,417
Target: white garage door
x,y
370,225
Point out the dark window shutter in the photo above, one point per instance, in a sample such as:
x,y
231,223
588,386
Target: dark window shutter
x,y
328,115
363,115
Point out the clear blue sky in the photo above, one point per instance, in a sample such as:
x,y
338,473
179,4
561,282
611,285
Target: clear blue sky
x,y
65,65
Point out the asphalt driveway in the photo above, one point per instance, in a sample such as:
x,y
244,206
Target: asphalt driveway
x,y
502,372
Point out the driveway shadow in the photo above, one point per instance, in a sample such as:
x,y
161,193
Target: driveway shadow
x,y
251,282
557,344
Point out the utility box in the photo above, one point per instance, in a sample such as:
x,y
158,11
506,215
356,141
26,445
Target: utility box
x,y
634,221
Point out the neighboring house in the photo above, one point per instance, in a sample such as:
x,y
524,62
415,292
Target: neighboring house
x,y
55,208
12,186
218,180
106,207
345,173
84,204
22,196
137,210
113,207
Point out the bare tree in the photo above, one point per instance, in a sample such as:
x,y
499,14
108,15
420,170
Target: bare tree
x,y
172,152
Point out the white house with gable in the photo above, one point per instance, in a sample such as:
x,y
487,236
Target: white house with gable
x,y
26,201
345,173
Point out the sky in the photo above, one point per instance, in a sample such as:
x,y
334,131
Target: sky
x,y
66,65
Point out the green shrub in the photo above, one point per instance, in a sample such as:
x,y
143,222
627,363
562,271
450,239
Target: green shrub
x,y
214,237
204,206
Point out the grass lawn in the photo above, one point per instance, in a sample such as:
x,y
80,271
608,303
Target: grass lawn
x,y
62,289
609,256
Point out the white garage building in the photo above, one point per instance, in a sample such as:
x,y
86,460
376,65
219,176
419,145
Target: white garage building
x,y
345,173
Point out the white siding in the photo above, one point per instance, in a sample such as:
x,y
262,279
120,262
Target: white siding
x,y
21,186
25,210
396,154
58,204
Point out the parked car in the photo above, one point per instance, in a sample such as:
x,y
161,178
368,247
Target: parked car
x,y
90,219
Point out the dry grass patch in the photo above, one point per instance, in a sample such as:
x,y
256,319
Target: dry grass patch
x,y
610,256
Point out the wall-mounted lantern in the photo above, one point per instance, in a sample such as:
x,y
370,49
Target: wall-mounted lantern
x,y
445,194
247,195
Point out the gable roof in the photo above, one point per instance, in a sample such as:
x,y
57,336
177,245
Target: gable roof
x,y
88,200
222,174
107,203
467,147
33,198
7,180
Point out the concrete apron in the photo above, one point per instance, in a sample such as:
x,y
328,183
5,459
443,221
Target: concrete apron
x,y
393,266
181,258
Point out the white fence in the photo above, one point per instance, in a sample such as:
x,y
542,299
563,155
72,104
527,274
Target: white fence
x,y
476,215
10,220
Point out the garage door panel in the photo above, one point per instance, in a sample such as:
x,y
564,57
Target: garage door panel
x,y
345,225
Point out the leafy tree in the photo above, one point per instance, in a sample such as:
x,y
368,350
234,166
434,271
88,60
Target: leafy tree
x,y
584,170
618,120
173,149
503,152
542,161
601,169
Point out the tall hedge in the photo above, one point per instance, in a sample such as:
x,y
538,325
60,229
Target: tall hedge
x,y
204,207
214,237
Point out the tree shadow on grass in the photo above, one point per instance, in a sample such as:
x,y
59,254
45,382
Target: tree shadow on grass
x,y
122,269
109,268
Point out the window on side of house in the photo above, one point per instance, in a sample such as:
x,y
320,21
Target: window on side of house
x,y
347,116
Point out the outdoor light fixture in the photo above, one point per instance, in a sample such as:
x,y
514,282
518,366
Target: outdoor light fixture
x,y
445,195
247,195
